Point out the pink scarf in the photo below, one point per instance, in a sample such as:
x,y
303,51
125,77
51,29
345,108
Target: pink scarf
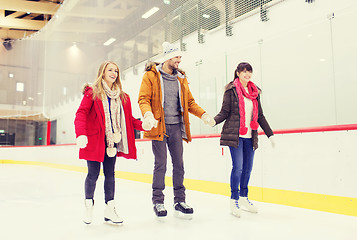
x,y
252,95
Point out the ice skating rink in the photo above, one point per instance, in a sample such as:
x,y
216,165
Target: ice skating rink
x,y
45,203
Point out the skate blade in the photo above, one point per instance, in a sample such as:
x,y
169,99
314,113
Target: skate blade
x,y
255,212
110,222
247,210
187,216
161,218
236,214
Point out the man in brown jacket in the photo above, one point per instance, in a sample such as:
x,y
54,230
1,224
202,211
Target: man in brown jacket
x,y
165,101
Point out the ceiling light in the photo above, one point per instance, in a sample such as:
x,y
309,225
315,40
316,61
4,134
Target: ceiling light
x,y
150,12
206,15
20,87
109,41
167,2
64,91
11,75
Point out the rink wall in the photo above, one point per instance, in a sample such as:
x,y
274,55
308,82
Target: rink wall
x,y
311,168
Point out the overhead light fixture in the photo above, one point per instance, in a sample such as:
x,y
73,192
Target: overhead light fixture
x,y
206,15
167,2
65,91
150,12
109,41
11,75
20,87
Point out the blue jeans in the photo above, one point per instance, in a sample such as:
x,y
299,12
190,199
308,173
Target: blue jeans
x,y
242,161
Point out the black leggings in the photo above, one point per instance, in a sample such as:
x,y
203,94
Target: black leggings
x,y
109,180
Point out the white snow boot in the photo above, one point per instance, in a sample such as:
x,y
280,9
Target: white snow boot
x,y
110,215
88,212
235,209
247,205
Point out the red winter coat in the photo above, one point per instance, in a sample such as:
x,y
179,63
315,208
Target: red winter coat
x,y
90,121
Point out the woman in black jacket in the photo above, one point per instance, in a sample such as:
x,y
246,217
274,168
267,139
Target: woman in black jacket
x,y
243,113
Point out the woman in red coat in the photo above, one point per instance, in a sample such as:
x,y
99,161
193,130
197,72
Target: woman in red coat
x,y
104,128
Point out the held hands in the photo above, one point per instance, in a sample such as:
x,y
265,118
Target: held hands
x,y
272,141
82,141
149,121
208,120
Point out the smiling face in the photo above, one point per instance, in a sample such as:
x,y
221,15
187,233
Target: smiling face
x,y
244,76
174,62
110,74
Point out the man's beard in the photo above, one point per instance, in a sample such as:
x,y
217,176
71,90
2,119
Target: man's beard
x,y
173,68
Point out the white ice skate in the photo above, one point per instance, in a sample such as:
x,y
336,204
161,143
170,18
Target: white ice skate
x,y
247,205
235,209
88,212
110,215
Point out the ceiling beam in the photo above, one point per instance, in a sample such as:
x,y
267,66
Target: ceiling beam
x,y
29,6
15,15
14,34
22,23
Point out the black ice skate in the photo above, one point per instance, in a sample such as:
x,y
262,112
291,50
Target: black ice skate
x,y
182,210
160,210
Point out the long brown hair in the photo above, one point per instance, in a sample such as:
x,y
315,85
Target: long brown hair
x,y
98,90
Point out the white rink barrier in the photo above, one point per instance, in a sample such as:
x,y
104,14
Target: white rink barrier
x,y
314,170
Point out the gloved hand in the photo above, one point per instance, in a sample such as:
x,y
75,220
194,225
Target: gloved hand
x,y
208,120
149,121
82,141
272,141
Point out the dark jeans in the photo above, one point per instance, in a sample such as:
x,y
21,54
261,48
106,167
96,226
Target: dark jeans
x,y
173,140
242,161
109,178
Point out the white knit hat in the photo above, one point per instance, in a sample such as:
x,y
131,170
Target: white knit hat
x,y
170,51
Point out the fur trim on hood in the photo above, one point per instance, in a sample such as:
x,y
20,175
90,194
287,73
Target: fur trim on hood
x,y
85,87
149,65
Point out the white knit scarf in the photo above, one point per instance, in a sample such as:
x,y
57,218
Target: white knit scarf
x,y
112,124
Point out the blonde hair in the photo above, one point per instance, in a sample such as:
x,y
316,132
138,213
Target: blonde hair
x,y
98,90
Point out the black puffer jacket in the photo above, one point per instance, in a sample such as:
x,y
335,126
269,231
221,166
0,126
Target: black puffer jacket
x,y
230,113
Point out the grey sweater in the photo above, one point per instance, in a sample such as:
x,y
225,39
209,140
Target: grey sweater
x,y
171,97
